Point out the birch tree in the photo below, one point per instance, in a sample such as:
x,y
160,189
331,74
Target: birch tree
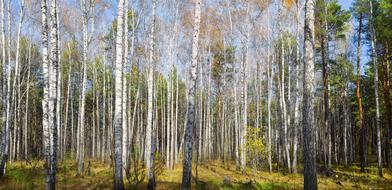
x,y
49,183
244,93
188,136
124,91
149,145
375,66
53,78
118,172
6,90
310,176
82,100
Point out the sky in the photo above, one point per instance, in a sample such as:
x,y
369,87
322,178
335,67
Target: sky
x,y
346,3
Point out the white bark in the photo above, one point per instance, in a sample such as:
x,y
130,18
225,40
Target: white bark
x,y
104,130
125,143
66,118
80,134
188,139
282,99
149,145
53,78
27,104
6,96
375,65
269,81
297,93
45,102
244,94
310,176
118,174
16,85
175,121
58,83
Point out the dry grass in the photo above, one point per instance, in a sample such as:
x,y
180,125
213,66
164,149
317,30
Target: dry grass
x,y
22,175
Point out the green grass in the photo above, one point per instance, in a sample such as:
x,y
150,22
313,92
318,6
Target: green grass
x,y
22,175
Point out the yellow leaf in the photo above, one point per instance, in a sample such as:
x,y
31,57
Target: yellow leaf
x,y
289,3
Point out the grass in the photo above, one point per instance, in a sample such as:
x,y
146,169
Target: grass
x,y
22,175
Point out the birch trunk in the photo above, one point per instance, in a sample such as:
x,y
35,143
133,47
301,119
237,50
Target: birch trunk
x,y
104,132
3,85
375,65
269,82
188,138
27,104
58,86
53,78
208,108
125,143
310,176
168,120
149,145
324,58
6,96
297,92
80,134
6,90
346,122
270,85
244,95
118,174
16,86
45,102
175,121
169,132
67,100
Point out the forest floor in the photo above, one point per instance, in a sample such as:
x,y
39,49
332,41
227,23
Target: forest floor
x,y
214,175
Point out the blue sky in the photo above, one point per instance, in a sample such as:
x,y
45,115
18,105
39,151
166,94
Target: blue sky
x,y
346,3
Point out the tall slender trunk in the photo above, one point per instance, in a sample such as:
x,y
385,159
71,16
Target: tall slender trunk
x,y
297,92
283,106
168,120
25,134
58,85
104,130
176,122
67,100
269,81
171,124
310,176
118,172
81,122
244,93
150,146
359,98
125,132
200,122
208,108
375,65
54,77
346,124
45,102
388,105
16,85
6,88
188,138
324,58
